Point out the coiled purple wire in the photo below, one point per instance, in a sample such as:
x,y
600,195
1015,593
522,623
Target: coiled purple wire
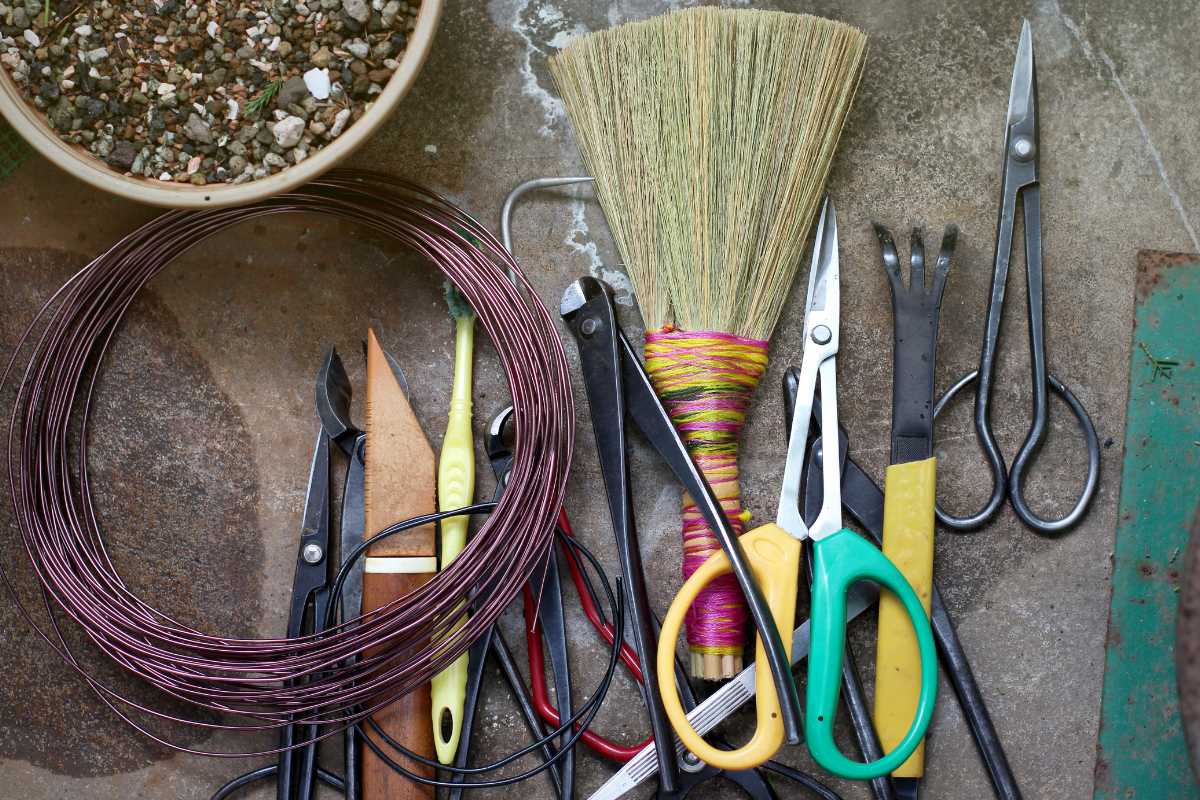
x,y
268,683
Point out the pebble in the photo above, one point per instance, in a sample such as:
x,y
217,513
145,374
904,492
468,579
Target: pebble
x,y
318,84
32,37
289,131
198,130
357,10
322,58
358,48
339,123
389,13
293,91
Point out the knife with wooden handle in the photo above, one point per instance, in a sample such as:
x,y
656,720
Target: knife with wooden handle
x,y
400,472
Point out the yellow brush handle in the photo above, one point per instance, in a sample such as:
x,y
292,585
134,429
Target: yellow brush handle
x,y
456,488
908,541
774,558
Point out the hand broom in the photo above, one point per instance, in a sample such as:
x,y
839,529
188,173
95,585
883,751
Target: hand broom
x,y
710,134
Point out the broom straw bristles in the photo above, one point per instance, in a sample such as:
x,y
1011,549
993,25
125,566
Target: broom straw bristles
x,y
710,134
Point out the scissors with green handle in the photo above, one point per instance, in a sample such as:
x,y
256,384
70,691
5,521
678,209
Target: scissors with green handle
x,y
841,558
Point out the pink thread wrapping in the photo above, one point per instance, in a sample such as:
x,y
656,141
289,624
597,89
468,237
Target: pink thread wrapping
x,y
705,380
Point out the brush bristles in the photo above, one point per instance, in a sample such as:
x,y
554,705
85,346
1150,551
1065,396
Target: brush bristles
x,y
710,134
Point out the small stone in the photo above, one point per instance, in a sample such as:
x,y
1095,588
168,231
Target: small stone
x,y
91,107
274,160
293,91
358,48
389,13
289,131
32,37
237,165
97,55
339,123
318,83
84,31
123,156
358,10
285,49
20,17
322,58
61,114
317,128
198,130
380,75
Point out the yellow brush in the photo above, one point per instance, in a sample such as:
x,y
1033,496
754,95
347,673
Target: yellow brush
x,y
455,489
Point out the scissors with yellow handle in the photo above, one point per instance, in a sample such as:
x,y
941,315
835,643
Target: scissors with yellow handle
x,y
840,558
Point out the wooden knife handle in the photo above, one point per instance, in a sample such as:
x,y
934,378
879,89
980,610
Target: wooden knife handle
x,y
407,719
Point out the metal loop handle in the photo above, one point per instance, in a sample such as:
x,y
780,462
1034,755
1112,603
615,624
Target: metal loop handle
x,y
1011,484
1055,527
995,460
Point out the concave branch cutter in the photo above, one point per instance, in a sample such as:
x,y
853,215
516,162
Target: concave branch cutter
x,y
618,390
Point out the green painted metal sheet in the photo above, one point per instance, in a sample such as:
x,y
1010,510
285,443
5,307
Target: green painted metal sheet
x,y
1141,752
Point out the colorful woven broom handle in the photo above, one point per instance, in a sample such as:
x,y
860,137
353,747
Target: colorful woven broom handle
x,y
705,380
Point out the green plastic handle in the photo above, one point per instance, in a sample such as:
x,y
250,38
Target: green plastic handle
x,y
839,561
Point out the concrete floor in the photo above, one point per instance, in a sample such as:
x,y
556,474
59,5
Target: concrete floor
x,y
204,424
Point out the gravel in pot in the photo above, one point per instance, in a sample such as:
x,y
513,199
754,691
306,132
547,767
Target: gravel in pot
x,y
202,91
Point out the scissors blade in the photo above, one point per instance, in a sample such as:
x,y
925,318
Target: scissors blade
x,y
824,281
312,571
1022,98
825,257
821,319
722,703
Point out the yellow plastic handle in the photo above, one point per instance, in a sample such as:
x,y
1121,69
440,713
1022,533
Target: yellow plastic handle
x,y
456,488
774,558
908,542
